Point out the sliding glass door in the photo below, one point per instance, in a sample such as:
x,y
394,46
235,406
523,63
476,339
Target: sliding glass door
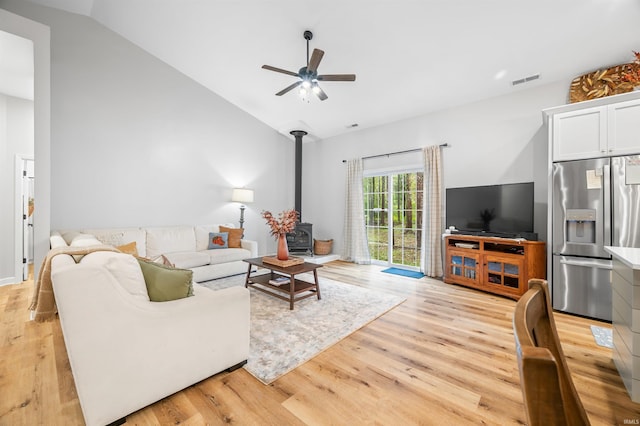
x,y
393,217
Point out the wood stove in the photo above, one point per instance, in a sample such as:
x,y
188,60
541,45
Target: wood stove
x,y
301,239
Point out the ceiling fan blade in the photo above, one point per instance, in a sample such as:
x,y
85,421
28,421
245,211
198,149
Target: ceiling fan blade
x,y
337,77
316,57
270,68
288,88
319,92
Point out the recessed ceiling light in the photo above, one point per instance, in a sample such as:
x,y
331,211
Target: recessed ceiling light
x,y
500,75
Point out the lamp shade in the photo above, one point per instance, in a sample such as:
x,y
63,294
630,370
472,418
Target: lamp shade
x,y
242,195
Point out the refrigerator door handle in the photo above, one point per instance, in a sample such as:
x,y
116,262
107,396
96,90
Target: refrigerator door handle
x,y
607,204
600,264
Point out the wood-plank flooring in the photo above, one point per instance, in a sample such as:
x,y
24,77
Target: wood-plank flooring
x,y
445,356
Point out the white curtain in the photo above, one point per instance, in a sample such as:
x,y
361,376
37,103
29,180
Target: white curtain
x,y
356,248
432,210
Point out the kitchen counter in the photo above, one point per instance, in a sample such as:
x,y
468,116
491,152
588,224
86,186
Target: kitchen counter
x,y
625,282
630,256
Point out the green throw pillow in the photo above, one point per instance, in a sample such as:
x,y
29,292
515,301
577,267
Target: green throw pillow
x,y
165,283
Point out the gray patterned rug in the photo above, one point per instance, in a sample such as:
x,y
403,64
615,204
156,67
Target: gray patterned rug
x,y
282,339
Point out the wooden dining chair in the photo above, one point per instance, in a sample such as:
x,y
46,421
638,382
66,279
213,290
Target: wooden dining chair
x,y
550,397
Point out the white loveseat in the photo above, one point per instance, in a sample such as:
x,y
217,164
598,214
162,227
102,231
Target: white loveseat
x,y
127,352
183,246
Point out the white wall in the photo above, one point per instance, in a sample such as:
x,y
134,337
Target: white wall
x,y
500,140
135,142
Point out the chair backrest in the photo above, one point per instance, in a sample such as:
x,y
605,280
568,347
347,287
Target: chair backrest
x,y
550,397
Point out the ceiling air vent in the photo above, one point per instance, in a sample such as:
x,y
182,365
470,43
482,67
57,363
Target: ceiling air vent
x,y
526,79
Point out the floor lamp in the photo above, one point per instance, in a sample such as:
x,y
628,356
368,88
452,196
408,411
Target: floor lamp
x,y
242,195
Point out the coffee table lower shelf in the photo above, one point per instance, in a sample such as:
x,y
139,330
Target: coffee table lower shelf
x,y
283,292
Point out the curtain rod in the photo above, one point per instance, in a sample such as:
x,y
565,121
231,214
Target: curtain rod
x,y
443,145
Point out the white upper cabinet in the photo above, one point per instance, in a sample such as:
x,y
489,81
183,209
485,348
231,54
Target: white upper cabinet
x,y
580,134
599,128
624,128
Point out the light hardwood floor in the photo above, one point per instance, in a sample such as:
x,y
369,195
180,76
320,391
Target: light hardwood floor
x,y
445,356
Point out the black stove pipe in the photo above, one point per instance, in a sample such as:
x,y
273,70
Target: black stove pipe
x,y
298,134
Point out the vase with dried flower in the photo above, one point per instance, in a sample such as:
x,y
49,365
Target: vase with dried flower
x,y
280,227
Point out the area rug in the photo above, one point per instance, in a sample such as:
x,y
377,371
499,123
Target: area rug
x,y
403,272
282,339
603,336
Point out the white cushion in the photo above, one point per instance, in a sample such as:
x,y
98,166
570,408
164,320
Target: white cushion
x,y
121,236
57,241
202,234
218,256
188,259
85,240
124,267
170,239
62,261
69,235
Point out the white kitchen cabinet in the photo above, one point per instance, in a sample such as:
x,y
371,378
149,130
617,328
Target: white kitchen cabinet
x,y
598,128
580,134
624,128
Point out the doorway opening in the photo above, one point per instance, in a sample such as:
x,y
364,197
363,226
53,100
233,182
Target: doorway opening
x,y
393,217
17,139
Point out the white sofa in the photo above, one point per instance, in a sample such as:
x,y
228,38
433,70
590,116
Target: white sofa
x,y
127,352
183,246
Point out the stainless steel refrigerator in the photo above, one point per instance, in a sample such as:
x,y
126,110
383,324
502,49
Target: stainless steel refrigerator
x,y
596,203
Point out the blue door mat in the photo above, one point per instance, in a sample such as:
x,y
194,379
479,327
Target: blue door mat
x,y
403,272
603,336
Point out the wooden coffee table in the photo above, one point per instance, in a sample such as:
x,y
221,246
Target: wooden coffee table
x,y
292,291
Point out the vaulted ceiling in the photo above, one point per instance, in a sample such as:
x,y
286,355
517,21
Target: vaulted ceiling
x,y
410,57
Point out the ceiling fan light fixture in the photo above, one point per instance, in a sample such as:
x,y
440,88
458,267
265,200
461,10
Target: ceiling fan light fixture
x,y
309,74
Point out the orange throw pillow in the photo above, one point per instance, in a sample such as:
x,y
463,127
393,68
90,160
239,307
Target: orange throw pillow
x,y
235,235
130,248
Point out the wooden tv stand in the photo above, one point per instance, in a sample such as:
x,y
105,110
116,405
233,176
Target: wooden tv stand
x,y
497,265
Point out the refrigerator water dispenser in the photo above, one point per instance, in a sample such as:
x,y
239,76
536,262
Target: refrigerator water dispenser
x,y
581,226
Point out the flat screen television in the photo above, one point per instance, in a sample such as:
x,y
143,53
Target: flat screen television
x,y
493,209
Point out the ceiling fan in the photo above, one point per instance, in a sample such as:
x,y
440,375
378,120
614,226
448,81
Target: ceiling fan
x,y
308,74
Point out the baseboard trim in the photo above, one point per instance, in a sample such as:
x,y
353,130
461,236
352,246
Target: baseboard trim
x,y
235,367
118,422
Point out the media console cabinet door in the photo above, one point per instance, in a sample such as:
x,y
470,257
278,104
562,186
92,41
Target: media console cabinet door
x,y
463,265
503,272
